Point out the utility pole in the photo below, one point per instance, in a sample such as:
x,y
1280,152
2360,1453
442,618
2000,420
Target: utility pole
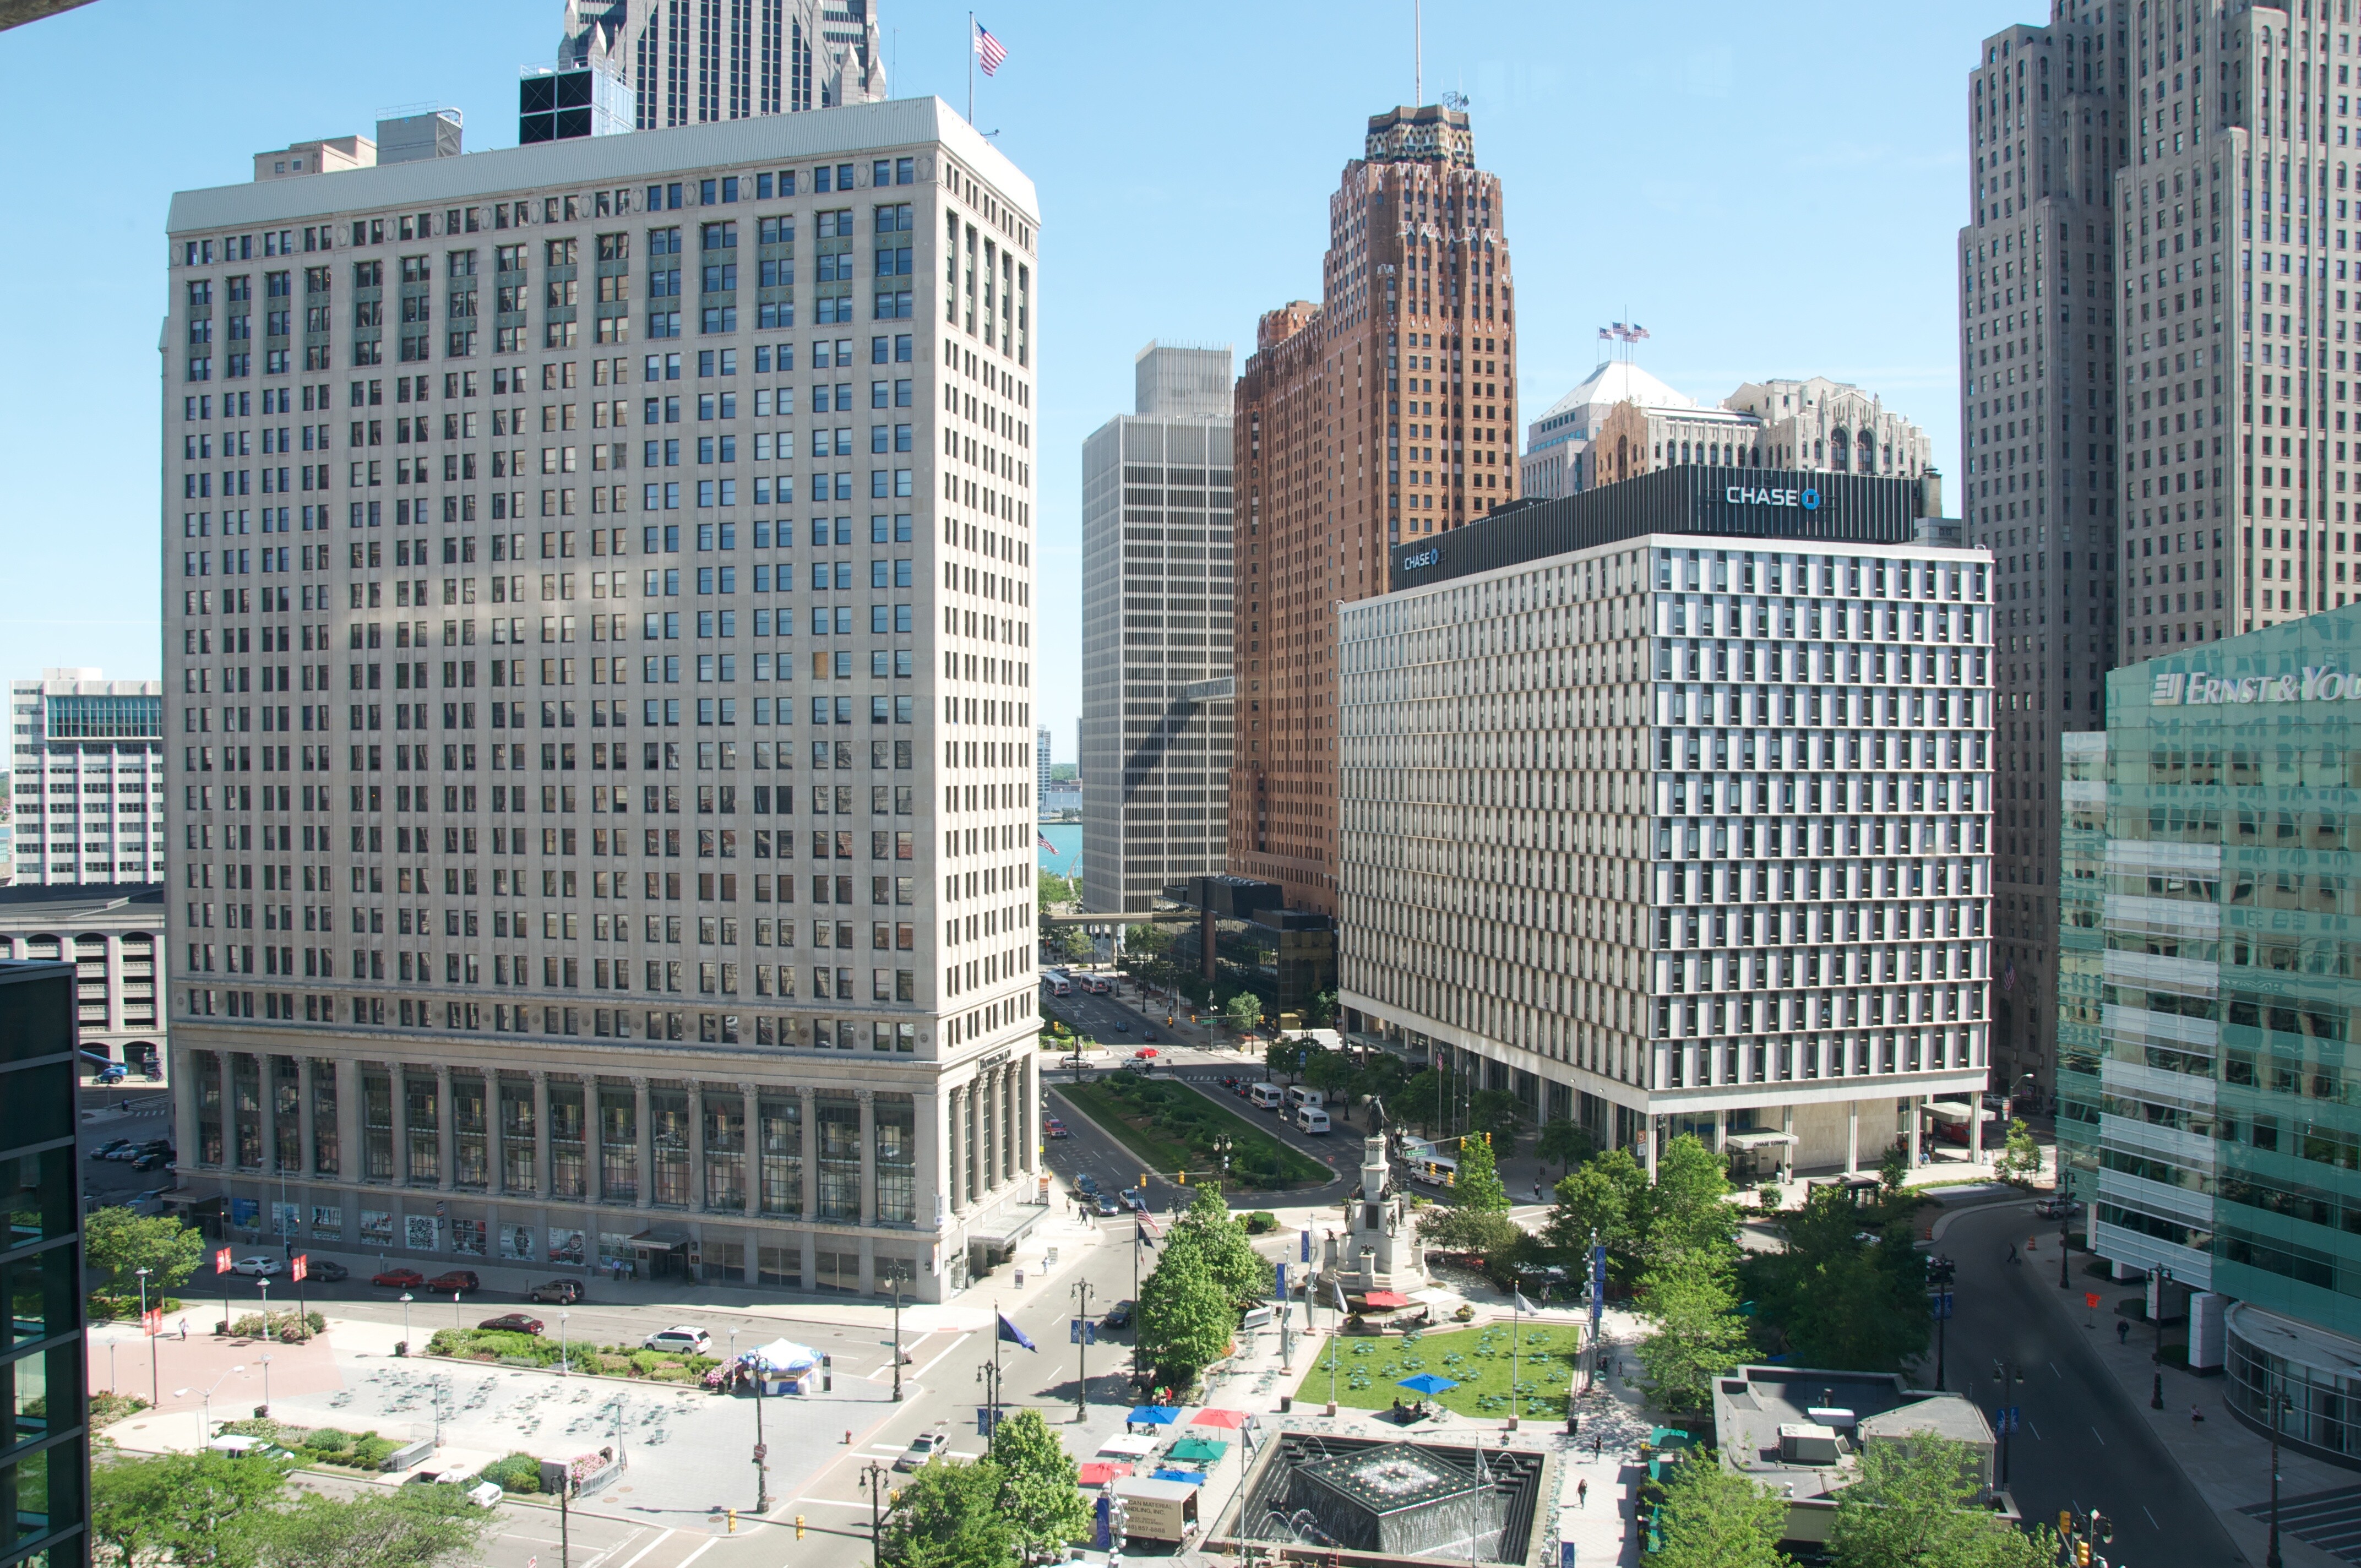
x,y
565,1520
897,1341
874,1476
762,1449
2279,1403
1082,1350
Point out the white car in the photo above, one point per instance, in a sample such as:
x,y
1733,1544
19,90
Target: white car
x,y
261,1265
685,1339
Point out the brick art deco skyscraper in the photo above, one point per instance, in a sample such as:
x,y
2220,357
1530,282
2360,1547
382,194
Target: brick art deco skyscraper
x,y
1386,412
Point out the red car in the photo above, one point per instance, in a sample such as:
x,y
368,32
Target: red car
x,y
398,1279
450,1284
511,1322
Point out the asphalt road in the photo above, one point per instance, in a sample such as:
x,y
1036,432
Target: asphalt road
x,y
2082,1443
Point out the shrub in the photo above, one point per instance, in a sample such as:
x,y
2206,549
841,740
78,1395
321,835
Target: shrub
x,y
110,1407
518,1472
285,1325
1261,1222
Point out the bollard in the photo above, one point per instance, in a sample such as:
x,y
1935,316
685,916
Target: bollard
x,y
847,1438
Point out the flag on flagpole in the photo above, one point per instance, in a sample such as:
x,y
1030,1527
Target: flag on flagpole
x,y
1012,1333
1043,840
989,51
1523,1305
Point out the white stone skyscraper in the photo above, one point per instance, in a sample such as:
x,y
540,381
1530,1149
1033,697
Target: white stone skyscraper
x,y
88,766
1156,701
691,61
600,723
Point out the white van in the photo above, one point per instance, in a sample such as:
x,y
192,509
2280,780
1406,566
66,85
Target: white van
x,y
1298,1096
1265,1097
1311,1119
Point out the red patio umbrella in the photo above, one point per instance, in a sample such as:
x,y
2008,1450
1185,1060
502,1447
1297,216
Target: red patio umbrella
x,y
1219,1418
1100,1472
1385,1298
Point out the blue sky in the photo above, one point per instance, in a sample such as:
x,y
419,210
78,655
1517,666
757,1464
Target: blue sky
x,y
1770,190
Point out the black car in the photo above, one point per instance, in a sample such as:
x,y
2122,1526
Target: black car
x,y
1118,1315
1107,1206
152,1160
325,1270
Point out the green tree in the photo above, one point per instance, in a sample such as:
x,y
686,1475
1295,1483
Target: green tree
x,y
1834,1300
2020,1160
411,1526
1038,1493
1565,1142
1697,1335
179,1508
1894,1168
1484,1232
1713,1518
1335,1074
1477,1186
1287,1056
1499,1113
1052,890
1423,1101
1215,1236
1915,1505
1687,1209
949,1516
1244,1011
1186,1319
1067,944
121,1243
1321,1011
1602,1199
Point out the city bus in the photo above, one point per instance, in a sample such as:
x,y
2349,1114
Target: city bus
x,y
1059,981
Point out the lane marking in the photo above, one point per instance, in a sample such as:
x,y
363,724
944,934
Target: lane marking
x,y
649,1547
832,1502
710,1542
954,1345
2054,1373
2095,1433
2034,1430
2151,1517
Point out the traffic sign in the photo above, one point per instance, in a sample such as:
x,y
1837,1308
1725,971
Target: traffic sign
x,y
2090,1300
1938,1303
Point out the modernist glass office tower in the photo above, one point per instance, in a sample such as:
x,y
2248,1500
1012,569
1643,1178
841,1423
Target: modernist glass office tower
x,y
2206,999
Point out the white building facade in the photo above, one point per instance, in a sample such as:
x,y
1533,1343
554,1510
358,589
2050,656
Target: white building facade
x,y
607,740
87,780
1675,834
1157,600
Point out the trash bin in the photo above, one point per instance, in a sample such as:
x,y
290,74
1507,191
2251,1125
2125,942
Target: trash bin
x,y
1286,1403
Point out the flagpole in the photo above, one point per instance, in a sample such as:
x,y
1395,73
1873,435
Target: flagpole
x,y
971,68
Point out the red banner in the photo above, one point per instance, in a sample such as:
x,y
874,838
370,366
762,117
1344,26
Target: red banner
x,y
2090,1300
299,1267
153,1321
221,1261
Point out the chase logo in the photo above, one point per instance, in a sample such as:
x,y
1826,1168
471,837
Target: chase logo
x,y
1810,500
1748,496
1422,559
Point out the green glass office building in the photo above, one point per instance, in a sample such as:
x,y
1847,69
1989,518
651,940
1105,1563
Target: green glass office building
x,y
2210,978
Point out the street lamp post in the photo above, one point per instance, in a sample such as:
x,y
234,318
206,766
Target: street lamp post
x,y
761,1449
563,1369
405,1322
989,1376
265,1283
874,1476
154,1398
266,1384
208,1397
2279,1404
897,1340
1082,1350
2065,1237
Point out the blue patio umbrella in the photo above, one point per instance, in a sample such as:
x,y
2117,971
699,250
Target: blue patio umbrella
x,y
1426,1383
1153,1415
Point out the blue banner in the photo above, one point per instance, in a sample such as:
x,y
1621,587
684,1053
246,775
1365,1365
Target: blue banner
x,y
1281,1287
1304,1255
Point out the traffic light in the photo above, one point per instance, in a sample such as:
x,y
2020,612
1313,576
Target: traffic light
x,y
1143,1181
2081,1554
2065,1522
799,1527
1182,1177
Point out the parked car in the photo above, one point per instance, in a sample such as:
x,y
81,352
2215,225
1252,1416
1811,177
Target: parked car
x,y
685,1338
456,1280
511,1323
1054,1128
398,1279
562,1292
2057,1208
258,1266
1118,1315
923,1448
325,1270
124,1155
1108,1207
1122,1026
108,1148
1148,1035
1087,1185
151,1161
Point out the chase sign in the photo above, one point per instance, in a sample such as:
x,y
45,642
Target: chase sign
x,y
1748,496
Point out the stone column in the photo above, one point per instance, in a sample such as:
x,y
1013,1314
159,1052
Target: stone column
x,y
352,1161
810,1148
306,1120
927,1122
1720,1130
1913,1103
868,1099
1028,1115
541,1133
695,1146
593,1146
266,1081
495,1153
184,1104
645,1136
445,1135
753,1158
1787,1150
1853,1138
1648,1146
398,1081
987,1144
955,1142
1975,1128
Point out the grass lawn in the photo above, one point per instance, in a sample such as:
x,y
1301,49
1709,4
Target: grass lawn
x,y
1171,1127
1477,1359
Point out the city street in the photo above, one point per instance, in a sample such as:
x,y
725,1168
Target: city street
x,y
2082,1445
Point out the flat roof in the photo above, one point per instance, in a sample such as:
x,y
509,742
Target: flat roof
x,y
1755,1406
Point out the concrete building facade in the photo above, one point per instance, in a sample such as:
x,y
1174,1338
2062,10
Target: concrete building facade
x,y
1666,833
689,66
606,823
1156,587
111,937
86,779
1385,413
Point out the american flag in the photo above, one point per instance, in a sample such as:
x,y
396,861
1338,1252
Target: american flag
x,y
1043,840
989,51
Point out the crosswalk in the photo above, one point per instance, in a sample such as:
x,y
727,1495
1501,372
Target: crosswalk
x,y
2328,1520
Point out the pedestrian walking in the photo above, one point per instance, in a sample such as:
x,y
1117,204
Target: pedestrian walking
x,y
2122,1331
2195,1415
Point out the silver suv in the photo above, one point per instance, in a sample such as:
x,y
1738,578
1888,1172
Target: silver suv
x,y
685,1339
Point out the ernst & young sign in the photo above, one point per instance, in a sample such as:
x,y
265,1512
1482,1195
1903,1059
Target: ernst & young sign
x,y
2196,687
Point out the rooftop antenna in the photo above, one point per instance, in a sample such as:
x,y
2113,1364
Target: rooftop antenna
x,y
1418,52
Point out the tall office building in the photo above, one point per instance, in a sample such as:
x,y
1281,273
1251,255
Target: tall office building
x,y
45,1459
1666,832
1157,704
689,63
1384,413
1040,763
2205,1000
2048,122
605,766
87,770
